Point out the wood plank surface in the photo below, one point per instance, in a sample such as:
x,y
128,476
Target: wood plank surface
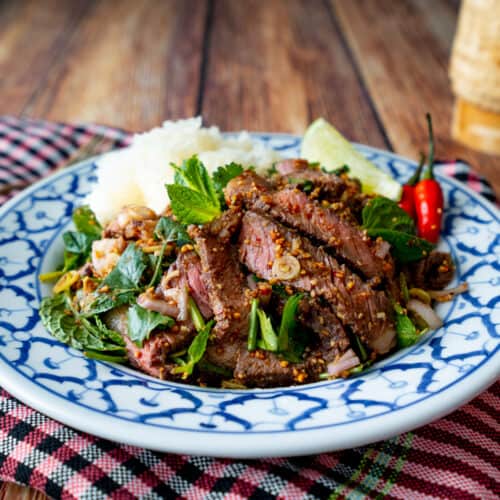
x,y
275,66
31,36
402,52
131,63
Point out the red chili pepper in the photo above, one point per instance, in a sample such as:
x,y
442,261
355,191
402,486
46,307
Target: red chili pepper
x,y
407,202
429,200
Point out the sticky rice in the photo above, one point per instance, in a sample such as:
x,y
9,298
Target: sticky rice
x,y
138,174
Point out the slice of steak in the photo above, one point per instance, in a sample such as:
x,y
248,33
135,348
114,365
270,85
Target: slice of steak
x,y
225,226
295,209
330,184
224,353
228,294
333,227
276,253
184,276
264,369
434,272
151,358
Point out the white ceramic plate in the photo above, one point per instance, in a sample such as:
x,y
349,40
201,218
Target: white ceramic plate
x,y
409,389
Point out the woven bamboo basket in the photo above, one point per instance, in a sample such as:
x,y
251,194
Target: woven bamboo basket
x,y
475,75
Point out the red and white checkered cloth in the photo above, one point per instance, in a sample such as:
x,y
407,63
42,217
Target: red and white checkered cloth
x,y
457,457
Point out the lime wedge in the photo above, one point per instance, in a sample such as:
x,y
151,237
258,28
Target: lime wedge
x,y
323,143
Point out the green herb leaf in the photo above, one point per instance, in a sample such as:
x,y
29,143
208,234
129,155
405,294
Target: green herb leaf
x,y
288,321
106,301
385,219
88,334
404,247
78,243
196,350
406,332
128,270
269,337
86,222
382,213
194,175
224,174
191,207
141,322
169,230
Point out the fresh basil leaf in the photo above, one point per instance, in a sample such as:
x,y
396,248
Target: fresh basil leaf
x,y
191,207
194,175
128,270
224,174
269,337
383,213
141,322
288,321
196,350
169,230
404,247
86,222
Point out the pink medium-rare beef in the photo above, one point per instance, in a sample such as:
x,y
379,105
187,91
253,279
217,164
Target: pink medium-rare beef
x,y
366,311
227,287
294,208
151,358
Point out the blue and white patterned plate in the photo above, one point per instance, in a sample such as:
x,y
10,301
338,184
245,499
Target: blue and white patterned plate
x,y
410,388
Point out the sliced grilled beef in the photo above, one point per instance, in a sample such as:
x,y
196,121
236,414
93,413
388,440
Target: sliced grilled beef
x,y
151,358
367,312
226,285
434,272
293,208
332,185
264,369
225,226
225,352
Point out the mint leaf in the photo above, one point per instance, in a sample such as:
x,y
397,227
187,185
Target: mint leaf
x,y
224,174
170,230
128,270
141,322
194,175
106,301
191,207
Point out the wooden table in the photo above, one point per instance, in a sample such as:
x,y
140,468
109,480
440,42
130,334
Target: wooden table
x,y
372,67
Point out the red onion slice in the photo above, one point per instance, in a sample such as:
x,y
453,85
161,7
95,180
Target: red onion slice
x,y
157,305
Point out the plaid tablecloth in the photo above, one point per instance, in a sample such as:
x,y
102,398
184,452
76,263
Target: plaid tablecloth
x,y
456,457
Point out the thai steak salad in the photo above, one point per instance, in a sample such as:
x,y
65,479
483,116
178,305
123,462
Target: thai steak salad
x,y
253,278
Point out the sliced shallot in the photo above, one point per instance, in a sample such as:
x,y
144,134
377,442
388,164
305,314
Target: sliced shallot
x,y
446,295
426,312
157,305
347,361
